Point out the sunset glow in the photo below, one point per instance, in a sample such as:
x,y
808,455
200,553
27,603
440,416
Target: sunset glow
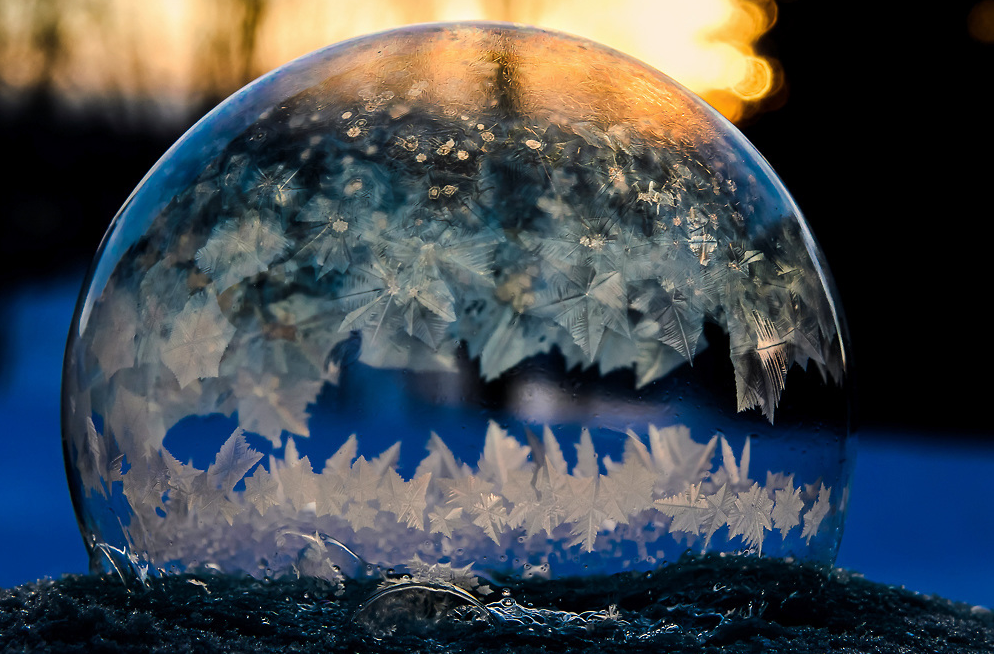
x,y
175,53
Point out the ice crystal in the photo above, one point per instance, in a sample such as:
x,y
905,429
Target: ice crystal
x,y
502,454
718,506
199,338
114,346
586,512
406,499
627,490
753,515
813,518
242,248
587,307
232,462
787,507
268,405
329,242
687,510
262,490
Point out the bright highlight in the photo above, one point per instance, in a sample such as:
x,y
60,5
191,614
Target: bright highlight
x,y
176,54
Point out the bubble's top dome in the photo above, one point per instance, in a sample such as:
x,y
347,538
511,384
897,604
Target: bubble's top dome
x,y
357,312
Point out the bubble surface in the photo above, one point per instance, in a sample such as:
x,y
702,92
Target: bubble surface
x,y
462,306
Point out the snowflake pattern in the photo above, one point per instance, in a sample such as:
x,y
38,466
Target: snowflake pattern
x,y
620,264
509,497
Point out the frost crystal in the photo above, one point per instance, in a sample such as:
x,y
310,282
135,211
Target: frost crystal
x,y
510,496
199,338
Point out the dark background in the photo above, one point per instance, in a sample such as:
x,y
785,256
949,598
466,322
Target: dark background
x,y
881,130
884,139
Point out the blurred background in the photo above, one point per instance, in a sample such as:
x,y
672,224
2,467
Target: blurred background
x,y
877,118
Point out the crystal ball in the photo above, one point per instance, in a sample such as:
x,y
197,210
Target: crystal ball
x,y
474,304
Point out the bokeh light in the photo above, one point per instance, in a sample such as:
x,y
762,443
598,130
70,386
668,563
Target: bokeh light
x,y
980,22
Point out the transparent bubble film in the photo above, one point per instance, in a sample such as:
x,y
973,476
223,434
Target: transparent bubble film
x,y
474,304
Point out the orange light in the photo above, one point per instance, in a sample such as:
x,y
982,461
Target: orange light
x,y
980,22
178,52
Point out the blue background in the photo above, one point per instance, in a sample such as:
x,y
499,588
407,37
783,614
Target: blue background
x,y
919,516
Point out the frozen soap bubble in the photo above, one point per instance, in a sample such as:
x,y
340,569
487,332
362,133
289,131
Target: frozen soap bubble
x,y
467,303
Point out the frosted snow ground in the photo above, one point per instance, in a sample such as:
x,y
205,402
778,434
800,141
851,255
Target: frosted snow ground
x,y
721,604
917,517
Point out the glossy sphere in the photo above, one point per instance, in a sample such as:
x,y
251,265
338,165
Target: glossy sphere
x,y
468,302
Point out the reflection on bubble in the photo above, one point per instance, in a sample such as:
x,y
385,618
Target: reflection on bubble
x,y
473,304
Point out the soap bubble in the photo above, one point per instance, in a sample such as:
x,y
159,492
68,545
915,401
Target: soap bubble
x,y
458,305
